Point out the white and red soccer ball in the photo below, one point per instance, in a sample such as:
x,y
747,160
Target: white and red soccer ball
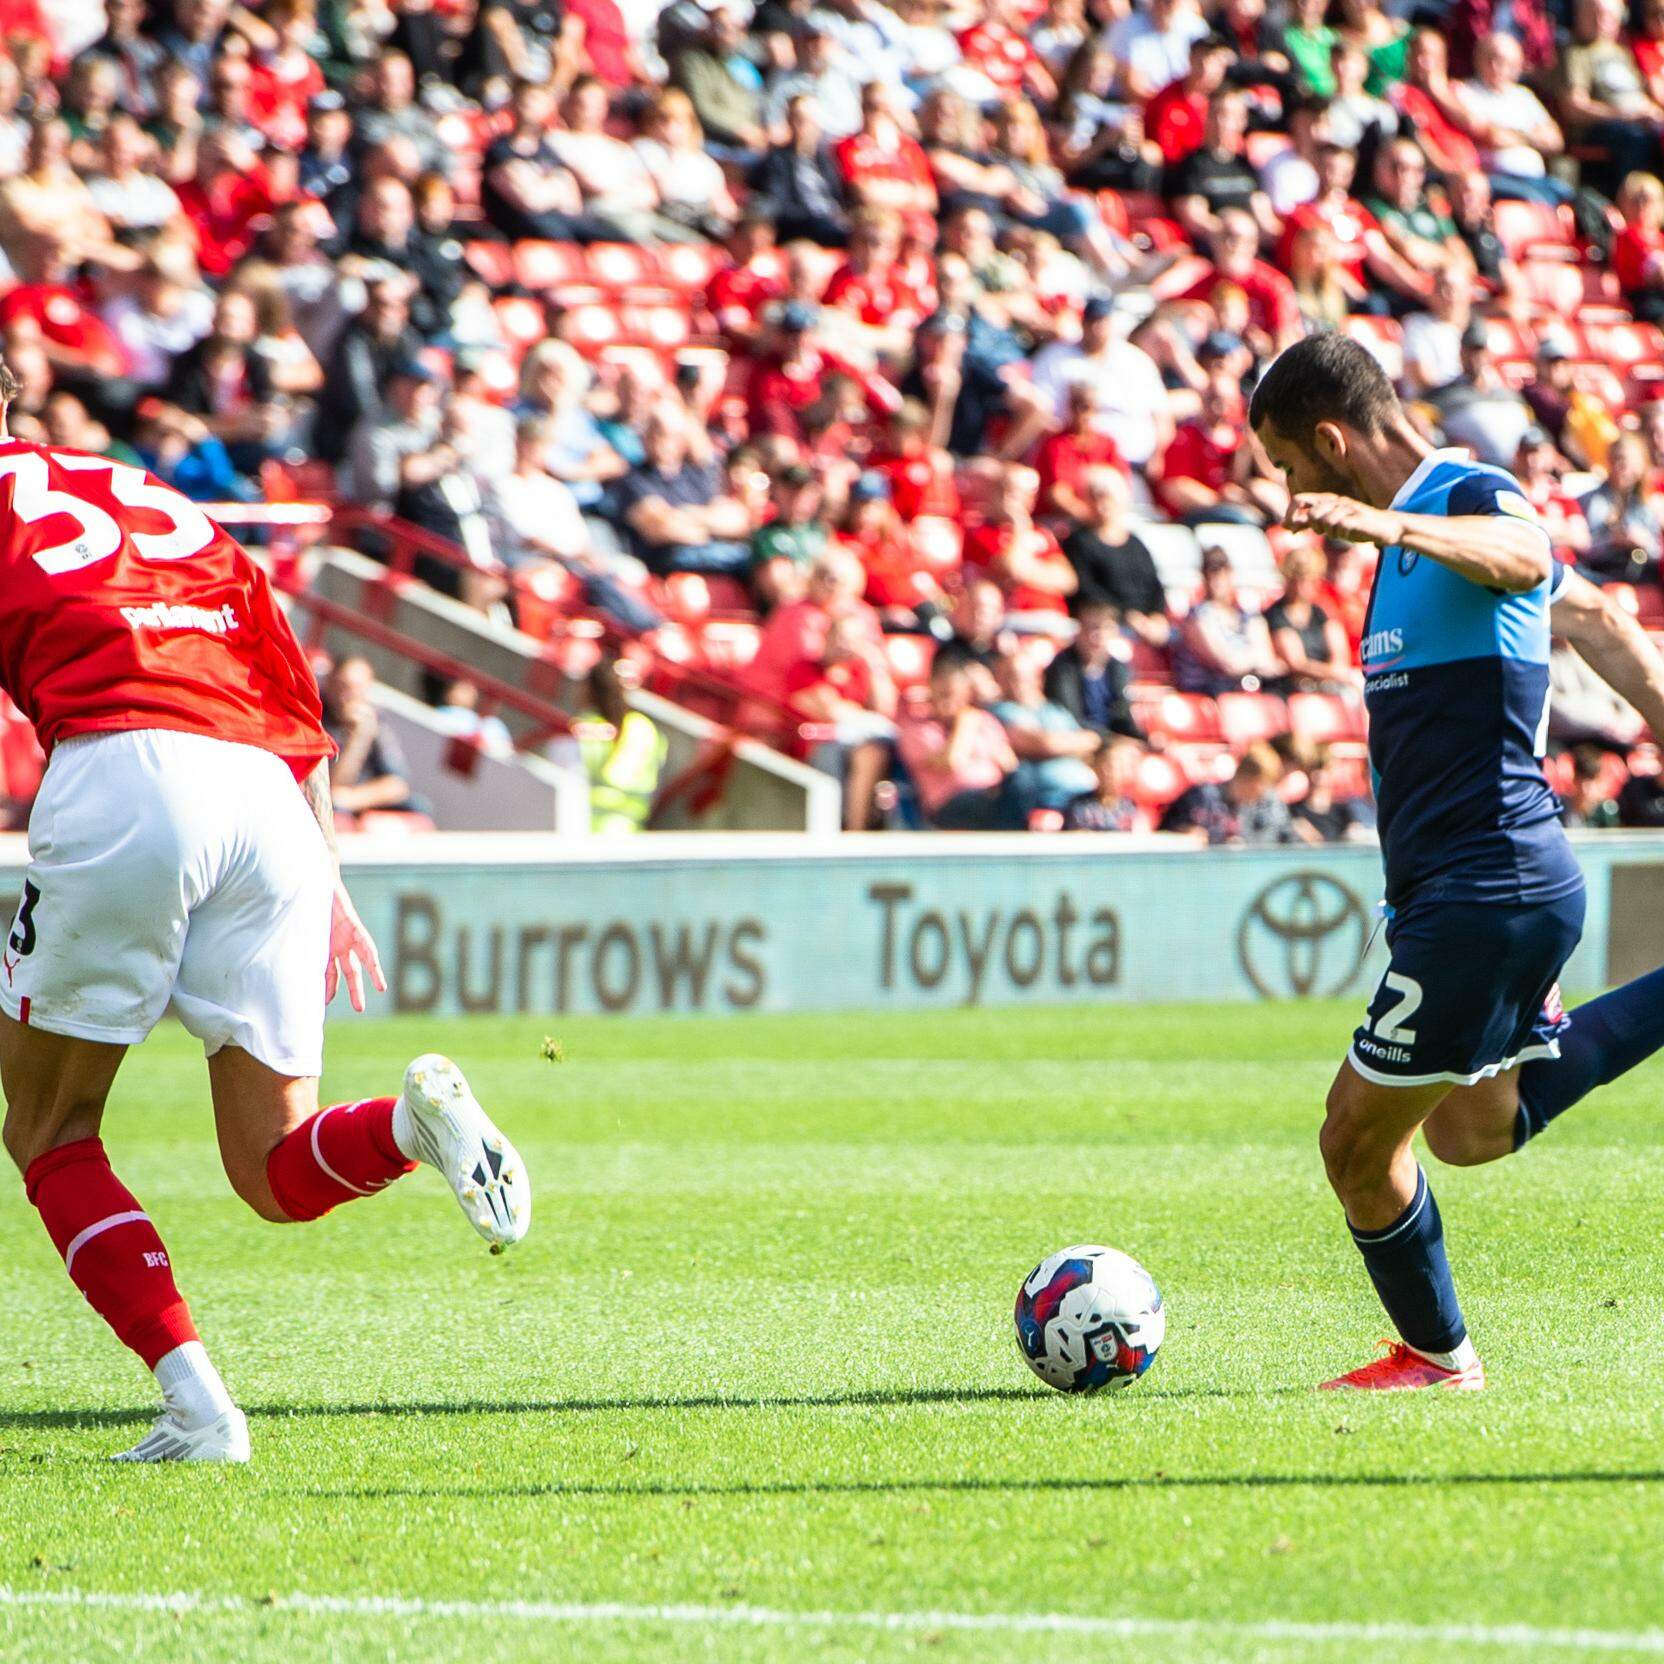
x,y
1089,1318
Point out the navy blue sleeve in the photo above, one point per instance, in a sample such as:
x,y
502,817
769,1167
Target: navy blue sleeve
x,y
1490,491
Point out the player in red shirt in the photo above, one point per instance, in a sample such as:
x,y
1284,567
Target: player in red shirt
x,y
181,854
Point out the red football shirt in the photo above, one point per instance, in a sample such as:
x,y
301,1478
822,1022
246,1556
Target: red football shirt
x,y
987,546
878,296
1064,459
999,52
122,606
1272,303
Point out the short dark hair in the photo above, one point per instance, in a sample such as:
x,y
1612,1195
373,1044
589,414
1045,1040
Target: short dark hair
x,y
1324,378
10,386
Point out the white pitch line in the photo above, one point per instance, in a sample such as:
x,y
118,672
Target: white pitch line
x,y
1505,1636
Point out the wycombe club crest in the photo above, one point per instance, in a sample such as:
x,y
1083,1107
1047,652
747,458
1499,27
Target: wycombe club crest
x,y
1302,937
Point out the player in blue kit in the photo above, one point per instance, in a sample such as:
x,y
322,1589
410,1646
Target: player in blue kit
x,y
1465,1038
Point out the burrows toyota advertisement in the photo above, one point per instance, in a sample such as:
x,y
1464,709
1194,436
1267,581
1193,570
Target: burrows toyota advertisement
x,y
803,933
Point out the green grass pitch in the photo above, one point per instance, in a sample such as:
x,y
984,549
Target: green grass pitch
x,y
756,1360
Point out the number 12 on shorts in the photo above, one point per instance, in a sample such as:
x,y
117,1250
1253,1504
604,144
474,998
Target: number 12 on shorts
x,y
1390,1026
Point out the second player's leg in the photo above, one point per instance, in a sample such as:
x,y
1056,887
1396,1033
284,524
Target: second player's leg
x,y
1476,1124
1366,1140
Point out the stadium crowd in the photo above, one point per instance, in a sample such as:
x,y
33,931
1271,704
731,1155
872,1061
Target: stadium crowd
x,y
877,368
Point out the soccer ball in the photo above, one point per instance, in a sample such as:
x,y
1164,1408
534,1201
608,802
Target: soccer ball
x,y
1089,1318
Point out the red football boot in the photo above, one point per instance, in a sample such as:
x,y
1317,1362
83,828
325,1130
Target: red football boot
x,y
1402,1369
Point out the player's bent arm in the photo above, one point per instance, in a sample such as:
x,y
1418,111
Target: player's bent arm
x,y
1490,549
1499,551
1615,647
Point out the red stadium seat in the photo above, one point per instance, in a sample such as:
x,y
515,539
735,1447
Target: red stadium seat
x,y
1181,716
539,265
673,644
544,597
1323,718
522,320
1553,288
590,328
687,596
664,328
1204,764
1245,718
621,265
1384,337
1149,664
1530,229
1159,781
689,267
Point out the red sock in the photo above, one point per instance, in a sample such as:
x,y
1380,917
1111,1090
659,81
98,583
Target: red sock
x,y
341,1152
110,1249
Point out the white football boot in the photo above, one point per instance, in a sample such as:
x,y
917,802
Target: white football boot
x,y
224,1439
437,1120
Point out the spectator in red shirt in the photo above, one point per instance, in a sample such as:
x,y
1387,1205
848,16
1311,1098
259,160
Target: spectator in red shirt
x,y
598,27
958,756
999,46
899,584
227,194
848,688
1024,559
1209,472
1065,458
755,275
286,77
1273,307
872,286
1176,118
790,378
79,344
1430,107
1638,253
797,631
920,475
883,166
1538,468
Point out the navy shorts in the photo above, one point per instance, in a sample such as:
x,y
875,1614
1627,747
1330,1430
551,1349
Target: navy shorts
x,y
1472,990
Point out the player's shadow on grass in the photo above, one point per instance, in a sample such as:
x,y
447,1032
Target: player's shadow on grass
x,y
873,1398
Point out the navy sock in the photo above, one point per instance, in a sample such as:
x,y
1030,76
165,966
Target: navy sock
x,y
1606,1038
1407,1264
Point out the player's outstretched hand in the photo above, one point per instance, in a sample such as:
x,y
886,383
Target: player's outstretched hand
x,y
352,952
1332,515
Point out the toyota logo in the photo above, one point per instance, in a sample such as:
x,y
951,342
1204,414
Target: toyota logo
x,y
1302,937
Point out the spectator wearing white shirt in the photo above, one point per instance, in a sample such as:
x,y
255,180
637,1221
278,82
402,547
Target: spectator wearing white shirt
x,y
163,312
1152,47
1290,179
534,516
1433,339
128,194
1509,123
825,75
1131,399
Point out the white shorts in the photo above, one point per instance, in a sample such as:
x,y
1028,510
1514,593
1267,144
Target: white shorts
x,y
173,868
